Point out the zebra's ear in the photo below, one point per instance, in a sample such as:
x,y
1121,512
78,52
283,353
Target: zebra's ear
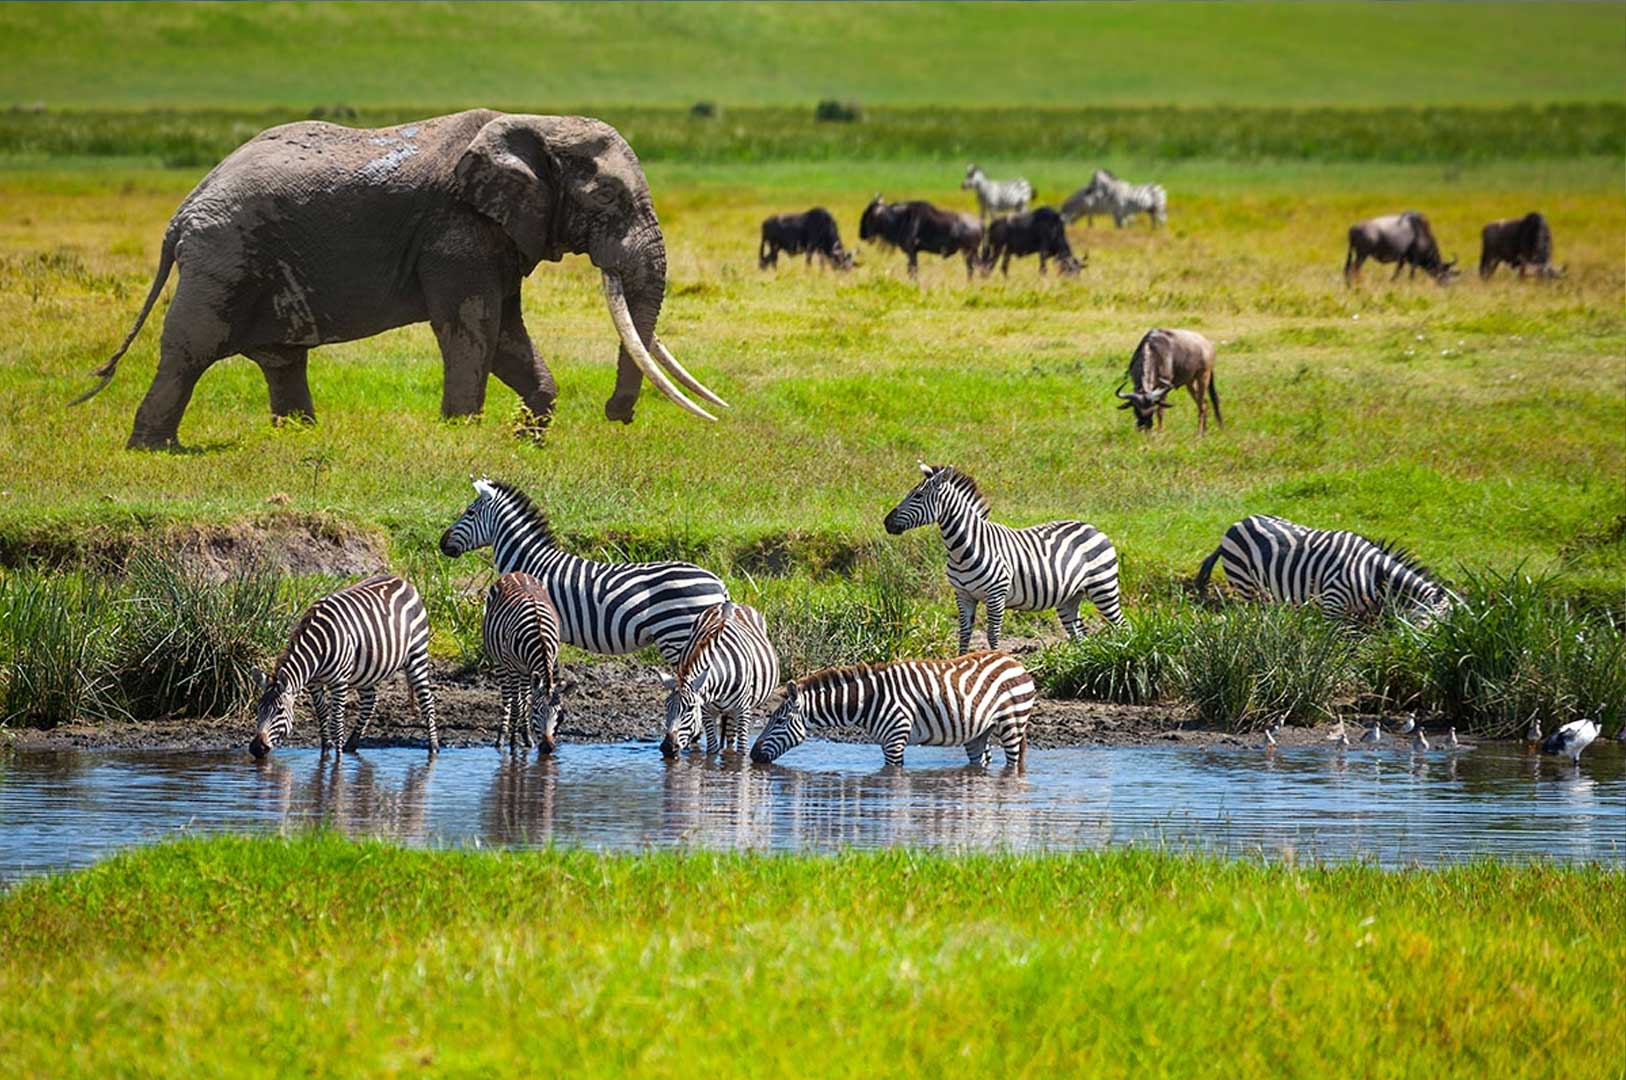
x,y
260,681
925,469
791,692
668,681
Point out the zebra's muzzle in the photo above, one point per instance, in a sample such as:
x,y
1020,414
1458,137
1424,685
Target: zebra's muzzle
x,y
892,526
449,546
669,746
259,747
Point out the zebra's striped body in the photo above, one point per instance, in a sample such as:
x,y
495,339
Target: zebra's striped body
x,y
609,608
353,639
1055,565
521,637
1107,194
964,701
997,196
1347,574
727,671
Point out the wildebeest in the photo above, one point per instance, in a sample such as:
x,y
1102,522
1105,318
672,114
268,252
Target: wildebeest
x,y
997,196
919,226
1522,243
1163,361
1039,232
811,233
1404,239
1106,194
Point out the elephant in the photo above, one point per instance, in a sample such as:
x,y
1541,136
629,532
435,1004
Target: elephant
x,y
312,233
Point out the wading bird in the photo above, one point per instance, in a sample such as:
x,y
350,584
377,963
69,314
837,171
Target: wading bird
x,y
1411,722
1373,736
1419,741
1573,737
1451,739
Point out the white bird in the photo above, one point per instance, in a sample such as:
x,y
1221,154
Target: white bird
x,y
1451,738
1572,738
1343,740
1270,737
1337,733
1411,722
1419,741
1534,734
1373,736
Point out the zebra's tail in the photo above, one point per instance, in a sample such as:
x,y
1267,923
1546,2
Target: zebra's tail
x,y
1206,571
166,261
1213,396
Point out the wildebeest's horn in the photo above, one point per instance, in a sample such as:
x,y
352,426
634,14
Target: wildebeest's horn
x,y
617,299
1120,391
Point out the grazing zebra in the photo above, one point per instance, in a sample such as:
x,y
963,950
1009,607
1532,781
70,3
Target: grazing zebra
x,y
352,639
997,196
603,607
521,636
960,702
1347,574
1106,193
727,671
1055,565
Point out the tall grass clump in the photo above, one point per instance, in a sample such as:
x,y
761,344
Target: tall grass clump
x,y
1137,663
877,616
1255,665
187,645
54,630
1513,650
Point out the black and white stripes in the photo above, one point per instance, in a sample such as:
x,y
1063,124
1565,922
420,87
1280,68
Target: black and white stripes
x,y
727,671
1055,565
521,638
352,639
1347,574
997,196
964,701
603,607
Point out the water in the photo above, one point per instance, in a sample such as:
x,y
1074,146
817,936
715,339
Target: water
x,y
1394,807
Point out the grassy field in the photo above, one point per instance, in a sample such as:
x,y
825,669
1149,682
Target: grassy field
x,y
322,956
554,55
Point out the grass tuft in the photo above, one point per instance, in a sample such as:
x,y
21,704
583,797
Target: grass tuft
x,y
1137,663
1256,665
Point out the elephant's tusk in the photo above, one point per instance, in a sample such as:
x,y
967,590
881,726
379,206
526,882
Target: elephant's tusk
x,y
630,341
665,357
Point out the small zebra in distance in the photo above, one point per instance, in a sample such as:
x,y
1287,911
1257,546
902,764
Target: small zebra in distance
x,y
1054,565
997,196
728,669
353,639
1107,194
521,638
611,608
1348,575
960,702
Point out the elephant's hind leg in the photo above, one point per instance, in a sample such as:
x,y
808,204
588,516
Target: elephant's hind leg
x,y
284,369
466,322
197,331
521,368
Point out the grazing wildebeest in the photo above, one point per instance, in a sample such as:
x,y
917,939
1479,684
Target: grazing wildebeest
x,y
1404,239
810,234
1039,232
1106,194
997,196
919,226
1166,360
1522,243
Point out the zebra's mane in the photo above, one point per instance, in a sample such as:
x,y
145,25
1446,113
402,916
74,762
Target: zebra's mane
x,y
965,485
693,653
293,638
525,509
1405,557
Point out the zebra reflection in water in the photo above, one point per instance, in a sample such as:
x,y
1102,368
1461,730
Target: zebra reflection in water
x,y
716,802
352,796
522,801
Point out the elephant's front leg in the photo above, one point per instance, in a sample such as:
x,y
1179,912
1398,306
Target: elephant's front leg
x,y
467,329
521,368
284,368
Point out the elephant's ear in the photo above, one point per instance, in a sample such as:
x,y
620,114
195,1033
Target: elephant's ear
x,y
509,174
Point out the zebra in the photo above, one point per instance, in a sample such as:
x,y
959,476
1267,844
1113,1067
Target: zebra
x,y
1106,193
612,608
352,639
1055,565
727,671
997,196
521,637
961,702
1348,575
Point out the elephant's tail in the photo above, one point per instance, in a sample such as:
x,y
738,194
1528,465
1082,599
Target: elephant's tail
x,y
166,261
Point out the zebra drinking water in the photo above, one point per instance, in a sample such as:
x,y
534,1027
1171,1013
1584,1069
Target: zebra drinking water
x,y
963,701
997,196
352,639
1055,565
1347,574
521,637
603,607
728,669
1106,194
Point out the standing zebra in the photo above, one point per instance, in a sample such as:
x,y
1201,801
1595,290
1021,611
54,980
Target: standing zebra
x,y
1347,574
1055,565
1106,193
521,636
997,196
603,607
352,639
925,702
728,669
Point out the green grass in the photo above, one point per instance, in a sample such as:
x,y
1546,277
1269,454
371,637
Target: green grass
x,y
545,56
318,955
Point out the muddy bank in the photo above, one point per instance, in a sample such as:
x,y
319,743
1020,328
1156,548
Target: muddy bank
x,y
617,701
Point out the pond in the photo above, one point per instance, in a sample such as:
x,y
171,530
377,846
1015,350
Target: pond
x,y
1393,807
